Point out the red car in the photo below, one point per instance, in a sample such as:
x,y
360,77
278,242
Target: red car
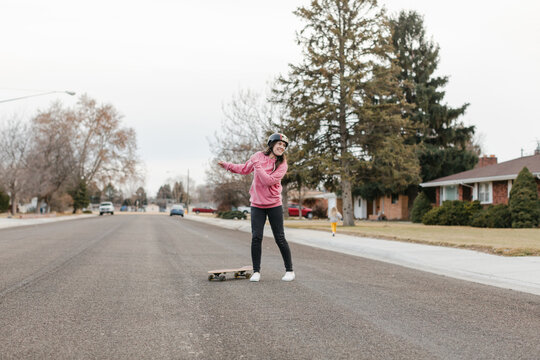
x,y
306,212
205,209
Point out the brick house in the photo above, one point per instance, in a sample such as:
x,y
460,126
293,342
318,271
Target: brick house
x,y
489,182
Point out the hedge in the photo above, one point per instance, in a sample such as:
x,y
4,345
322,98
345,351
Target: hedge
x,y
233,214
497,216
454,212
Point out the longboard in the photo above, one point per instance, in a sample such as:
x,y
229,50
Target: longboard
x,y
244,271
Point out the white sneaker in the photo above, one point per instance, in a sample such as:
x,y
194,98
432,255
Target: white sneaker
x,y
289,276
255,277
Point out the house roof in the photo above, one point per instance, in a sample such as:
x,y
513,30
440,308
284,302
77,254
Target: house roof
x,y
507,170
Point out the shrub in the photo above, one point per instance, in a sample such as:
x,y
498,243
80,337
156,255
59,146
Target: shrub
x,y
87,212
454,212
523,201
480,219
432,217
421,206
497,216
320,211
60,202
233,214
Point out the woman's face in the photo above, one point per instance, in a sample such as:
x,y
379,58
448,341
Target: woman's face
x,y
279,148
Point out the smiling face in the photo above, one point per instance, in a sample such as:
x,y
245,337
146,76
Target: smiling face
x,y
279,148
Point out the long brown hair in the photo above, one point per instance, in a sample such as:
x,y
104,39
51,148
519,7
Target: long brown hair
x,y
279,159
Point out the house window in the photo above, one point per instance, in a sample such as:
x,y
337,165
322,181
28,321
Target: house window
x,y
484,193
395,198
450,193
510,183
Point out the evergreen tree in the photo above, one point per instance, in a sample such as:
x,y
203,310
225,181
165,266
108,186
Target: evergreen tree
x,y
344,99
445,140
178,193
81,198
524,201
164,192
4,202
421,206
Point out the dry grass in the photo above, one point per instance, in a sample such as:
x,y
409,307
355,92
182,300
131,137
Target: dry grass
x,y
508,242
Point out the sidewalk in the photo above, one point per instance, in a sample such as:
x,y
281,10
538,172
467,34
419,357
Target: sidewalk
x,y
516,273
14,222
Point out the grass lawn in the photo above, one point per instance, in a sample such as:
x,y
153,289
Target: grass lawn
x,y
508,242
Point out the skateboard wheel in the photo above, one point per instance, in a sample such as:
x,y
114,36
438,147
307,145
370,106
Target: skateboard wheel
x,y
236,275
248,275
210,277
222,277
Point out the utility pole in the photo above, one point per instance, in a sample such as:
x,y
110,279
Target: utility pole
x,y
187,202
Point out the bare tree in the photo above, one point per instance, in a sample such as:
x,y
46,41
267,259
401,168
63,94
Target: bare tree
x,y
104,151
248,120
14,148
85,143
132,186
203,193
50,161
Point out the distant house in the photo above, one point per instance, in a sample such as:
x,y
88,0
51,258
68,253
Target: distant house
x,y
489,182
393,207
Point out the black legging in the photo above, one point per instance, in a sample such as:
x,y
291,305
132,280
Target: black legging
x,y
258,219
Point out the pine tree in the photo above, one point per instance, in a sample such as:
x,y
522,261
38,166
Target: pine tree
x,y
444,139
524,201
164,192
420,207
81,198
343,99
4,202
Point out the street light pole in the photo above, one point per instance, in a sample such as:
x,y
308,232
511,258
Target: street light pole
x,y
40,94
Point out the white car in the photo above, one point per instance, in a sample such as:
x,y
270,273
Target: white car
x,y
106,207
245,209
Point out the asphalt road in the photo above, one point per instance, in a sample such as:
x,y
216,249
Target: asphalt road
x,y
135,287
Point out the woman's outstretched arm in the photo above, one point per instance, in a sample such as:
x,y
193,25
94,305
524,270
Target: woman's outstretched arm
x,y
243,169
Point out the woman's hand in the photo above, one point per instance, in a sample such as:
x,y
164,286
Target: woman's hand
x,y
222,164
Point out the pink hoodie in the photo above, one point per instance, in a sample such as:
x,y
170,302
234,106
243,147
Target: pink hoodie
x,y
265,189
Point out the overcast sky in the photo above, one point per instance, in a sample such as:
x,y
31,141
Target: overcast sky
x,y
170,66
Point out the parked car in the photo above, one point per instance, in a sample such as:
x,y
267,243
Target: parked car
x,y
106,208
306,212
204,209
177,210
244,209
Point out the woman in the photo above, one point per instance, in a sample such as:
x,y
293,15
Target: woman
x,y
269,166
